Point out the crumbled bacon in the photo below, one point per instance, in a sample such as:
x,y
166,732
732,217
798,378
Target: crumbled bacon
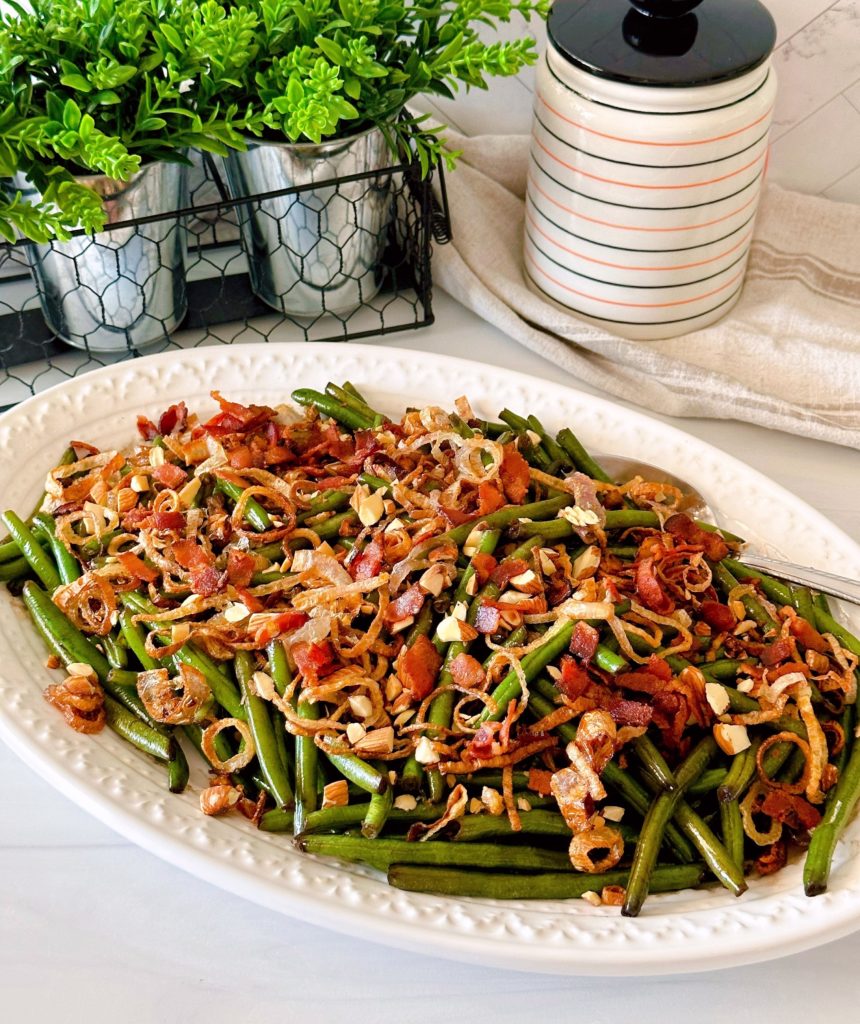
x,y
481,744
467,671
168,520
170,475
191,555
285,622
630,712
718,616
584,641
418,666
146,428
136,567
774,653
574,680
484,565
682,527
514,474
539,781
792,810
490,498
207,582
173,419
488,619
649,589
409,603
807,635
506,570
237,419
240,567
369,561
314,661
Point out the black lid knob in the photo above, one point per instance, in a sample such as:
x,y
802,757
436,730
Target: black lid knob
x,y
672,43
665,8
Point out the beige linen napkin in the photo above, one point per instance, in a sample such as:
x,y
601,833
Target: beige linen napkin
x,y
786,357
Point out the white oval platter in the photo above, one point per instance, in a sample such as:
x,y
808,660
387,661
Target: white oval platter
x,y
688,931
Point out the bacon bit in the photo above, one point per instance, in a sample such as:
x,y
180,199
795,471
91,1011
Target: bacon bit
x,y
286,622
490,498
146,428
792,810
649,590
481,744
505,571
488,619
409,603
369,562
240,568
136,567
514,475
252,603
718,616
314,661
772,654
173,419
559,590
168,520
539,781
574,680
237,419
811,639
81,702
683,528
484,565
790,666
190,555
773,860
85,447
631,712
658,667
418,667
170,475
467,672
207,582
584,641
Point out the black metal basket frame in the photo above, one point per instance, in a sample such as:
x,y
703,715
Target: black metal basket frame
x,y
227,297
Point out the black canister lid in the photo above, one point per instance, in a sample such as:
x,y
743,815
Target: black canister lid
x,y
671,43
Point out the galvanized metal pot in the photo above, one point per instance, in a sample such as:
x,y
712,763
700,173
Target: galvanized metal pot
x,y
318,250
125,288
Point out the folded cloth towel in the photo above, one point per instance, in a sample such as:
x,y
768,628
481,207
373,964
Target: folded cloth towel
x,y
786,357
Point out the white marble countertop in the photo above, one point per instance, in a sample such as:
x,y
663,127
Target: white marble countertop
x,y
94,929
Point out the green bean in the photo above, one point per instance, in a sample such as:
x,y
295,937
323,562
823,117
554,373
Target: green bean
x,y
116,654
732,828
580,457
223,689
504,517
822,602
480,827
14,568
724,669
262,731
30,548
553,448
134,637
255,514
532,665
546,886
380,807
336,819
67,565
740,774
138,733
67,642
827,624
382,853
838,811
364,775
332,408
279,668
803,603
754,608
707,782
353,400
330,528
307,766
177,769
778,592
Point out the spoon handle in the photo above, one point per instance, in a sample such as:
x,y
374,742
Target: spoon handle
x,y
824,582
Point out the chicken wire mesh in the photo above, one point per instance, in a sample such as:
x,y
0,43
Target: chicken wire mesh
x,y
339,259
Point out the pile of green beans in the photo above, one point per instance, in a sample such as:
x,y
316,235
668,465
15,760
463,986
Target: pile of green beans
x,y
681,823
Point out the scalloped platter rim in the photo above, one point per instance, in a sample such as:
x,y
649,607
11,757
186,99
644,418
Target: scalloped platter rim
x,y
677,933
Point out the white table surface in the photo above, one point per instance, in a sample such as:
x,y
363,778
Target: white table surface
x,y
94,929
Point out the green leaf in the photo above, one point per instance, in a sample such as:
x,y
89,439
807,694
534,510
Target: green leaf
x,y
76,82
171,35
71,114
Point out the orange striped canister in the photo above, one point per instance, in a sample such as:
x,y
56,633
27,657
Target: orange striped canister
x,y
646,168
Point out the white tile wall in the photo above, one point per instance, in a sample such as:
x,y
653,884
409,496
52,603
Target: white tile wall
x,y
816,133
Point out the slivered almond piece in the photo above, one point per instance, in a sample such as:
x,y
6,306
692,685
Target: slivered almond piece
x,y
434,580
425,752
492,800
236,612
745,685
377,741
355,731
402,624
448,630
577,516
475,806
156,456
612,813
731,739
547,565
405,802
718,697
361,705
592,898
82,669
587,563
472,542
336,794
264,685
523,804
139,483
188,492
370,509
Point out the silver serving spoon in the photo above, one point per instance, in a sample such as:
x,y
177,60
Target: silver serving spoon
x,y
622,469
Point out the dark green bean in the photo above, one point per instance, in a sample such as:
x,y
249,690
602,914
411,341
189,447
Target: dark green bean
x,y
138,733
262,731
45,527
30,548
332,408
380,807
838,811
177,769
255,514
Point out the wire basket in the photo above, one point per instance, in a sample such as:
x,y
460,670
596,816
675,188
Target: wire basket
x,y
196,257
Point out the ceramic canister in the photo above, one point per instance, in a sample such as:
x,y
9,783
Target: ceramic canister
x,y
648,153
